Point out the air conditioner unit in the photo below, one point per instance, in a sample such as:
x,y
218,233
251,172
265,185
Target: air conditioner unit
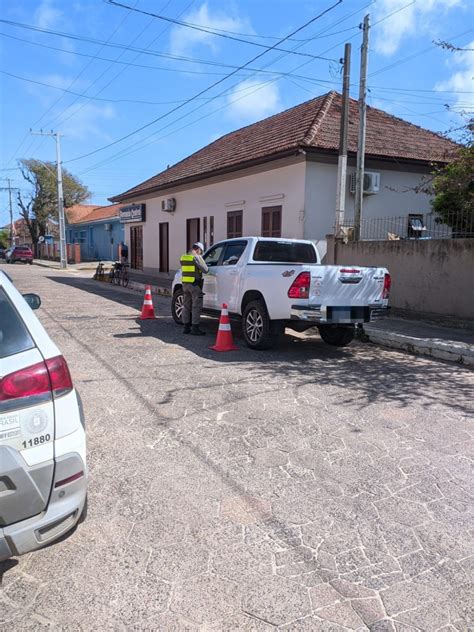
x,y
371,182
107,226
169,205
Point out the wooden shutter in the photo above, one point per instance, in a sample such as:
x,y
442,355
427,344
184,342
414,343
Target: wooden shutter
x,y
234,224
271,221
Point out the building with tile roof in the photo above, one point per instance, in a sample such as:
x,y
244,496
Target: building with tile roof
x,y
278,177
97,229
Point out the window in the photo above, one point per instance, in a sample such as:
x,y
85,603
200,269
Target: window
x,y
14,336
204,232
213,256
211,230
271,221
234,224
192,232
233,252
284,252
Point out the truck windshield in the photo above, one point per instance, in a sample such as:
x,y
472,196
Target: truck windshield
x,y
284,252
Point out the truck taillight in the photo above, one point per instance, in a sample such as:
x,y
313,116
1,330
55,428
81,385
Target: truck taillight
x,y
300,286
387,282
61,382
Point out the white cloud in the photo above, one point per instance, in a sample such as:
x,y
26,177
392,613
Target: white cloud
x,y
47,15
252,100
462,78
411,19
183,39
87,121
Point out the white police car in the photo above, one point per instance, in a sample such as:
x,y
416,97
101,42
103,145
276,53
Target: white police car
x,y
43,472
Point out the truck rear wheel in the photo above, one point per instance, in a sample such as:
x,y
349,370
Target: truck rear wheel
x,y
336,335
256,326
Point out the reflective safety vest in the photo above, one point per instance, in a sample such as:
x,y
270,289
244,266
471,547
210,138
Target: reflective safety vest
x,y
190,273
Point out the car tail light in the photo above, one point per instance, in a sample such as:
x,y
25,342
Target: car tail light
x,y
37,381
387,282
29,382
300,286
60,377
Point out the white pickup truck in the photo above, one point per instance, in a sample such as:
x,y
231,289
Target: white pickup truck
x,y
276,283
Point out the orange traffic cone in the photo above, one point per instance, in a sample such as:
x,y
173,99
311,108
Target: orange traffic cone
x,y
224,340
147,309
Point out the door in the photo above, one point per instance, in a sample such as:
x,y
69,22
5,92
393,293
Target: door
x,y
229,275
192,232
212,258
136,247
164,247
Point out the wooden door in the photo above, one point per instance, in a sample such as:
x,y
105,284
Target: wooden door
x,y
164,247
192,232
136,247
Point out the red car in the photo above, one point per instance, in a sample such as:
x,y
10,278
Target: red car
x,y
19,253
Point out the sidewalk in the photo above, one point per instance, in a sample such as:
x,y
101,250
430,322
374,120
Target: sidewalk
x,y
444,343
71,267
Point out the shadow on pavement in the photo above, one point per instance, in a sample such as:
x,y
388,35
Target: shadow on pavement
x,y
364,373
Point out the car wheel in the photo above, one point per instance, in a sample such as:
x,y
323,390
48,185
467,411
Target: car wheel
x,y
337,336
177,305
256,326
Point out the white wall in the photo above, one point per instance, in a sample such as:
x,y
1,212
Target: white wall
x,y
216,199
393,199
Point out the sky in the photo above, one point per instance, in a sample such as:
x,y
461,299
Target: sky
x,y
132,93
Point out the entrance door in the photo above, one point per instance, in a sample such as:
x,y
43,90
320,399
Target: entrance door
x,y
192,232
136,247
164,247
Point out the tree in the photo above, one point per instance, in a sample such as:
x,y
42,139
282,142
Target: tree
x,y
4,238
41,205
453,187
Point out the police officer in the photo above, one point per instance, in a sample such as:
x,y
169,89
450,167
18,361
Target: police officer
x,y
193,267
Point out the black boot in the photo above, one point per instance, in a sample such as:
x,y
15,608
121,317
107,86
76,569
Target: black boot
x,y
195,331
187,329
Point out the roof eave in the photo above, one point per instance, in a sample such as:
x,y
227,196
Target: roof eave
x,y
129,195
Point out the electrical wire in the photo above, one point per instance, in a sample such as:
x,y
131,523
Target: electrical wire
x,y
208,88
209,31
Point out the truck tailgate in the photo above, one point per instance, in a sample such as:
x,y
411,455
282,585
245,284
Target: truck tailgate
x,y
346,286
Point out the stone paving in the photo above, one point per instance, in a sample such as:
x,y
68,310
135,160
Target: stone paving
x,y
308,488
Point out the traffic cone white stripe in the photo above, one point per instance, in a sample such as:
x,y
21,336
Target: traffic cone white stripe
x,y
224,327
147,302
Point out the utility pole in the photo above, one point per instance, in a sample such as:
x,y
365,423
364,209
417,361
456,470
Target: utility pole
x,y
342,160
362,121
9,189
59,177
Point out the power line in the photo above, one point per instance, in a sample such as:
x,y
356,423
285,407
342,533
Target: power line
x,y
213,85
210,31
91,40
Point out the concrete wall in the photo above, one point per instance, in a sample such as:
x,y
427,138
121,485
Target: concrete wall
x,y
395,198
433,277
275,184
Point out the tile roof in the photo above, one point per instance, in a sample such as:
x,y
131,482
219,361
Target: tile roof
x,y
78,211
100,213
313,125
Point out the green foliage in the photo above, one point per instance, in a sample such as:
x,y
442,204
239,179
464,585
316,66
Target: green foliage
x,y
42,203
4,238
454,190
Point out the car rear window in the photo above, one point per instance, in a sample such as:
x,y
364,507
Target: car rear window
x,y
14,336
284,252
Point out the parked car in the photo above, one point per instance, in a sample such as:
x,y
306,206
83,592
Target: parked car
x,y
271,284
19,253
43,474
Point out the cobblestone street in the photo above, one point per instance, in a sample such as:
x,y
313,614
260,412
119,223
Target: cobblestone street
x,y
308,488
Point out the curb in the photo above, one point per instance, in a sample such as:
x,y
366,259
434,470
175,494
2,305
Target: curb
x,y
138,286
458,352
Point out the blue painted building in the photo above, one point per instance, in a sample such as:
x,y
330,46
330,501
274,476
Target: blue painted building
x,y
98,231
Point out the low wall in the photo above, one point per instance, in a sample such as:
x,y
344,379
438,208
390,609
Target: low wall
x,y
429,277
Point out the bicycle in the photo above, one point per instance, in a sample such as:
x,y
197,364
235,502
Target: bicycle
x,y
99,274
119,274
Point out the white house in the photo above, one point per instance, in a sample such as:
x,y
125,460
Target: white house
x,y
277,177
